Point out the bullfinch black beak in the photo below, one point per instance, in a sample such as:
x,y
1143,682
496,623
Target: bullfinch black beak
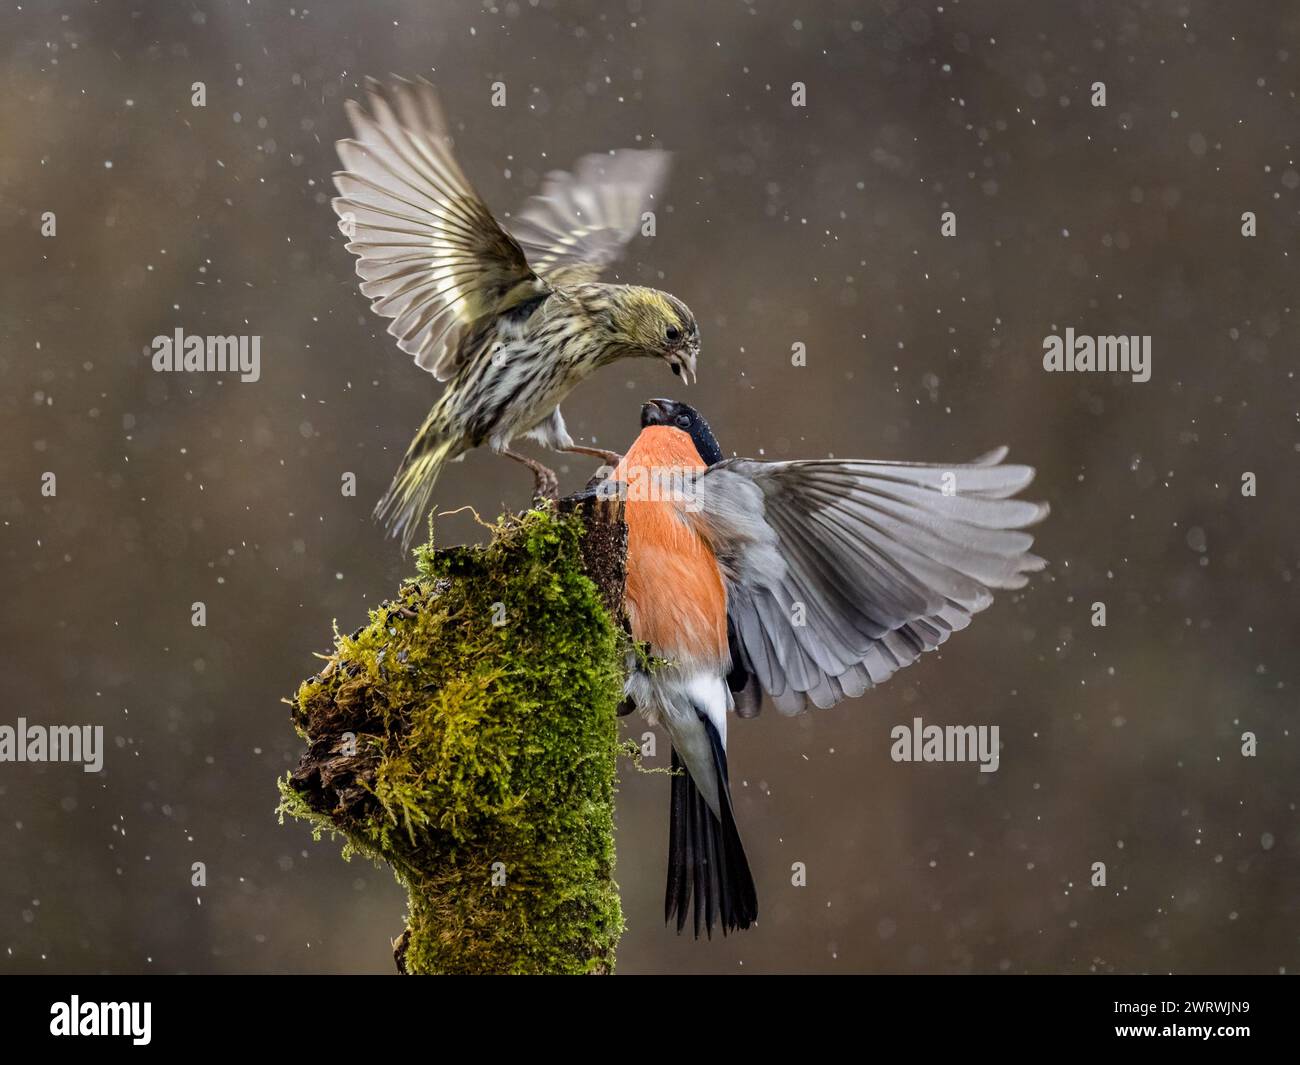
x,y
656,412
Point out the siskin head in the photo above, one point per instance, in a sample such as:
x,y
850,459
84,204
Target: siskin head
x,y
655,324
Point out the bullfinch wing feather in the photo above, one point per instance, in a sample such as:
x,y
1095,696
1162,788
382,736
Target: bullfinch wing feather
x,y
839,573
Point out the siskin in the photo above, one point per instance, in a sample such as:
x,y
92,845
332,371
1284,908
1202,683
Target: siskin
x,y
511,321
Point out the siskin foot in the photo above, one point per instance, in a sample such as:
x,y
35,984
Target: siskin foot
x,y
546,485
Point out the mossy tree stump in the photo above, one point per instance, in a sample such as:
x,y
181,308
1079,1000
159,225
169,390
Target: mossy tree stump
x,y
467,736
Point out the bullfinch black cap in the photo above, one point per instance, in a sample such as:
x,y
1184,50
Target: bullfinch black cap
x,y
688,420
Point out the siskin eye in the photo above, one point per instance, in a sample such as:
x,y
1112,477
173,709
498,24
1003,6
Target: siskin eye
x,y
672,334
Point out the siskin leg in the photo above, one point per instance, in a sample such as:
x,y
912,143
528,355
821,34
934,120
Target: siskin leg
x,y
546,485
612,458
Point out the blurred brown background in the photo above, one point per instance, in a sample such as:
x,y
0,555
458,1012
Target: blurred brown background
x,y
782,224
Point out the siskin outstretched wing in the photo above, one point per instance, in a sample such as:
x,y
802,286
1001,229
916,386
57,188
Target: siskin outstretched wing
x,y
429,253
579,223
839,573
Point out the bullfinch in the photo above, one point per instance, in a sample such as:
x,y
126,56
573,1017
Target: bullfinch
x,y
802,582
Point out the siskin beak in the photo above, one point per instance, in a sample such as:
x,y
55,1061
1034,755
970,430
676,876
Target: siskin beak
x,y
682,364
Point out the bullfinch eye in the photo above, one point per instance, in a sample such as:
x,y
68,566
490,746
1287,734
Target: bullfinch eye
x,y
684,421
672,334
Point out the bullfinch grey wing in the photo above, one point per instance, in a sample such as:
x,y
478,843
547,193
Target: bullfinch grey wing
x,y
838,573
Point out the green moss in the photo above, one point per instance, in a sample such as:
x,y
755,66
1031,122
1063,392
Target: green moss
x,y
483,702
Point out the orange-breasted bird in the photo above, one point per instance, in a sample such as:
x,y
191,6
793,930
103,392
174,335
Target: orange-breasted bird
x,y
807,581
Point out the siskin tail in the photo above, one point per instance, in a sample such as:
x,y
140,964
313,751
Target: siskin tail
x,y
407,498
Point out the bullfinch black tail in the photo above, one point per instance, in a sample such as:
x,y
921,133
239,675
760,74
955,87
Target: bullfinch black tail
x,y
706,860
